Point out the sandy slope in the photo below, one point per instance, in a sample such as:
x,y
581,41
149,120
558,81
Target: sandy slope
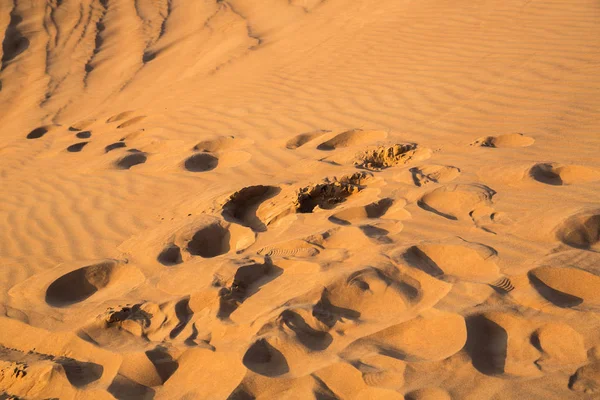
x,y
292,199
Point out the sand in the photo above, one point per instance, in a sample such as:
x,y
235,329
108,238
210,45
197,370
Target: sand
x,y
299,199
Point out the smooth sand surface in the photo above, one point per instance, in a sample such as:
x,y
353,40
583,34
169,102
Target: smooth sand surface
x,y
296,199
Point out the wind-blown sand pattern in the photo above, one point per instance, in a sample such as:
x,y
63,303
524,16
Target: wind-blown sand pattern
x,y
300,199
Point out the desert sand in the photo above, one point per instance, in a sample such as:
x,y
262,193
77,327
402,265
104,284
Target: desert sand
x,y
300,199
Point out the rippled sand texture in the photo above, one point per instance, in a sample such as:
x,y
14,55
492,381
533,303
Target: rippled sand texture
x,y
295,199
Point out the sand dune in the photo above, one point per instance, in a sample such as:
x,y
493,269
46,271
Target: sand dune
x,y
299,199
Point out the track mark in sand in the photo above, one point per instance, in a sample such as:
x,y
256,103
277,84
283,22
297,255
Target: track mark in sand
x,y
81,125
170,255
581,231
456,201
77,147
135,158
219,144
131,121
201,162
328,194
247,281
558,174
567,287
508,140
586,379
80,284
84,135
503,285
113,146
352,138
241,206
388,156
37,132
119,117
303,138
454,261
300,252
427,174
370,211
14,42
210,241
78,373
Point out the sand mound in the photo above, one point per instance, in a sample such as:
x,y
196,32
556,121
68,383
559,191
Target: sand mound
x,y
353,137
328,194
586,379
370,211
241,206
428,394
429,174
508,140
456,201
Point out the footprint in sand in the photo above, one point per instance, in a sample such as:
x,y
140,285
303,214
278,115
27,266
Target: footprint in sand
x,y
303,138
77,147
247,281
370,211
353,137
114,146
131,122
84,134
430,174
457,201
470,262
567,287
201,162
80,284
581,231
119,117
241,206
560,174
38,132
388,156
508,140
135,157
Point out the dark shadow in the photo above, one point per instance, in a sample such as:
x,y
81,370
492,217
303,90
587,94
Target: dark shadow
x,y
247,281
427,207
556,297
201,162
37,133
131,160
113,146
265,359
418,259
330,314
311,338
486,345
84,134
14,42
170,255
77,147
210,241
184,314
163,362
123,388
242,206
78,285
80,373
